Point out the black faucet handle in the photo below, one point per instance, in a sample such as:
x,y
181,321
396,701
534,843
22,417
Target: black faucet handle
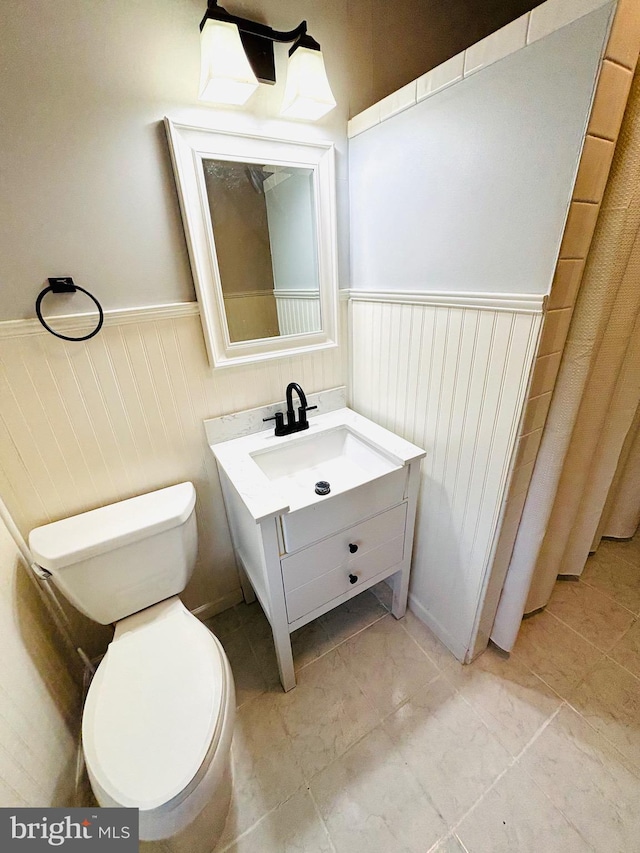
x,y
278,418
303,423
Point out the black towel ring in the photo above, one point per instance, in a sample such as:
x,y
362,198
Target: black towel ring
x,y
66,285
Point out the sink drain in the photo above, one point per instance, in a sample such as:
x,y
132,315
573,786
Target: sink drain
x,y
322,487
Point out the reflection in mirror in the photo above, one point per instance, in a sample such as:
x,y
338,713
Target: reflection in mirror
x,y
265,235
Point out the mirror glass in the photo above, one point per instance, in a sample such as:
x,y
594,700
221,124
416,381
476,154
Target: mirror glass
x,y
259,218
265,235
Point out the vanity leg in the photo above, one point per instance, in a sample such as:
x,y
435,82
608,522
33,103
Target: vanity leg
x,y
401,578
400,582
284,655
277,606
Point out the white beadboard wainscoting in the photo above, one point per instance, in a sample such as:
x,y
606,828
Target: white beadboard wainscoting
x,y
450,373
85,424
298,311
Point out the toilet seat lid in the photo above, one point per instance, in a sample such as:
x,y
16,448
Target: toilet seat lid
x,y
154,706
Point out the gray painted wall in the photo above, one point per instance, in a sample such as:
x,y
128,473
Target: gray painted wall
x,y
85,175
468,190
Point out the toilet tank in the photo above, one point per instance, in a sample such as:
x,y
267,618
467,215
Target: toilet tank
x,y
118,559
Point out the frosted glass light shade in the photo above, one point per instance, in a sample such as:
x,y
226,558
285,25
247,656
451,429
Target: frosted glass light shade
x,y
307,94
226,76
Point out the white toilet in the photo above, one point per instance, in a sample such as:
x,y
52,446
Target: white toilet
x,y
159,714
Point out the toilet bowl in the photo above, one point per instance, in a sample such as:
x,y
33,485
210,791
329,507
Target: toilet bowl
x,y
158,719
159,714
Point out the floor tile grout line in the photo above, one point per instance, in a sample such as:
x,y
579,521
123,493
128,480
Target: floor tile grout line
x,y
359,631
475,711
401,758
599,591
463,817
606,654
555,805
586,639
355,634
606,594
249,829
424,652
517,759
512,763
627,762
621,665
612,548
542,679
449,834
320,818
379,725
633,563
452,830
566,625
542,728
511,759
513,653
572,688
443,673
460,842
224,636
532,671
383,717
259,666
342,642
304,666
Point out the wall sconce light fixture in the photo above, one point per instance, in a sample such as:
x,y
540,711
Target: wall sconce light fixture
x,y
237,54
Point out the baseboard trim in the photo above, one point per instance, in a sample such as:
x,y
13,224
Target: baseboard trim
x,y
212,608
459,650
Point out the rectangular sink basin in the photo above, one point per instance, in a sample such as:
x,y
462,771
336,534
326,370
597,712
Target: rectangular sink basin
x,y
337,456
276,475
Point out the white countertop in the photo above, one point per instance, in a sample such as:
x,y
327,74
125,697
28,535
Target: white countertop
x,y
259,494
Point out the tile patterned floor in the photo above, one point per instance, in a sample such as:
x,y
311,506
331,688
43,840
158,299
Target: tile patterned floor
x,y
388,744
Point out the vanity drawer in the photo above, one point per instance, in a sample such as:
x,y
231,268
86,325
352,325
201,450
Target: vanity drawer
x,y
333,583
337,551
315,522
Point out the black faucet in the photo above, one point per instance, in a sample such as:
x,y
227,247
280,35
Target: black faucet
x,y
292,424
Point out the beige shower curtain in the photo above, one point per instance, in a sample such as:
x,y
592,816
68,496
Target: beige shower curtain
x,y
578,492
621,515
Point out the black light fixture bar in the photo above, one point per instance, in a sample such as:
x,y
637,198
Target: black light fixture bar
x,y
258,39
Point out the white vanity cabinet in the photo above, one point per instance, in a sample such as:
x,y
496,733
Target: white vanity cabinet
x,y
303,555
346,561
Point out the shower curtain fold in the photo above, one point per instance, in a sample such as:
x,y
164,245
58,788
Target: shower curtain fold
x,y
621,515
593,409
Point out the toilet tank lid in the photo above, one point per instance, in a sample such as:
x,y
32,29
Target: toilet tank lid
x,y
80,537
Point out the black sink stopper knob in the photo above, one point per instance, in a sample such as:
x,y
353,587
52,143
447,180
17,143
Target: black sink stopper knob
x,y
322,487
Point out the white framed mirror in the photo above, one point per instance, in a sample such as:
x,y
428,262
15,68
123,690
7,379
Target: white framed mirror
x,y
259,220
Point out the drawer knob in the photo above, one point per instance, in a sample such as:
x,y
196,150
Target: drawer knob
x,y
353,578
353,548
